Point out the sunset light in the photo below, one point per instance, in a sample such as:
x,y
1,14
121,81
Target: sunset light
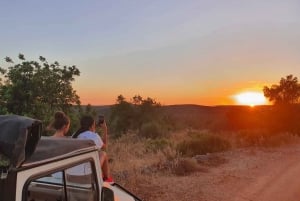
x,y
177,52
250,98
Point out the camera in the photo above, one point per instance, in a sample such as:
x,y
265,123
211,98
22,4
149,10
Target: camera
x,y
100,119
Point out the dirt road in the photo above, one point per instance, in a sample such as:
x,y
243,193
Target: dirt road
x,y
250,174
256,175
278,179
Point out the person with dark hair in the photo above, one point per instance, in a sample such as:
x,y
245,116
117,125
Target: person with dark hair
x,y
60,124
87,130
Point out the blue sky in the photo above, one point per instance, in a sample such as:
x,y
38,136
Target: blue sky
x,y
199,52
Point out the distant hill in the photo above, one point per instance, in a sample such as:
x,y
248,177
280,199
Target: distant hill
x,y
196,116
209,117
104,109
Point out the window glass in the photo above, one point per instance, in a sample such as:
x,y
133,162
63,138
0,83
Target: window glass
x,y
81,183
72,184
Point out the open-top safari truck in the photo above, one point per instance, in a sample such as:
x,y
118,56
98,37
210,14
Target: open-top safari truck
x,y
35,168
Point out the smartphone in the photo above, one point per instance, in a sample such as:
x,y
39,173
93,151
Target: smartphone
x,y
100,119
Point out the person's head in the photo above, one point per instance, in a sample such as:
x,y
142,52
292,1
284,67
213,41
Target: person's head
x,y
61,122
87,122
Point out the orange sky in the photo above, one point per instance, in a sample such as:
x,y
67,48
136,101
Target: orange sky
x,y
213,97
177,52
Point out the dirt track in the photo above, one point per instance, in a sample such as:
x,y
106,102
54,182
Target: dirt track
x,y
277,181
256,174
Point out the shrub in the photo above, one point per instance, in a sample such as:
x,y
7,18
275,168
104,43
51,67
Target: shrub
x,y
279,140
247,138
152,130
4,161
185,166
202,144
155,145
264,138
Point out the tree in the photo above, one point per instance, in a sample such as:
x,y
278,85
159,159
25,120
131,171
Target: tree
x,y
3,109
142,115
286,113
89,110
287,92
37,88
121,116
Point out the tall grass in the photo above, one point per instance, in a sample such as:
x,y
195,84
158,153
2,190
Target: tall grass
x,y
203,143
139,163
263,138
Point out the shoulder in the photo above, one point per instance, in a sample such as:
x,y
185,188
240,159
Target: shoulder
x,y
88,134
92,136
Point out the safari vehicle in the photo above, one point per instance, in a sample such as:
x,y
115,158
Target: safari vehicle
x,y
35,168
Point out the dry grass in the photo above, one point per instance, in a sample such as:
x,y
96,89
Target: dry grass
x,y
145,171
186,166
135,167
263,139
130,153
153,170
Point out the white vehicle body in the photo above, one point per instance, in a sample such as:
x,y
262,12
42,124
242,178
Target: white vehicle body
x,y
46,175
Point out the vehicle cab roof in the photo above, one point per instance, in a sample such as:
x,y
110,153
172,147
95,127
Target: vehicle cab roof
x,y
21,144
51,148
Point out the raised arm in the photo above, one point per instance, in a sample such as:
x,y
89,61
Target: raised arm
x,y
104,137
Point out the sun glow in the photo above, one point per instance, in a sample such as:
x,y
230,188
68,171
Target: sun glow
x,y
250,98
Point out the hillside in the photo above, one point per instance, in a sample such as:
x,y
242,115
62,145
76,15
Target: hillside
x,y
254,168
197,116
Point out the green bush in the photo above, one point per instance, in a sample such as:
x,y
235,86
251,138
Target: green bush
x,y
203,144
247,138
279,139
263,138
4,161
155,145
152,130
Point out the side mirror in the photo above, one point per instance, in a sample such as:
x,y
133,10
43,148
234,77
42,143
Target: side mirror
x,y
107,194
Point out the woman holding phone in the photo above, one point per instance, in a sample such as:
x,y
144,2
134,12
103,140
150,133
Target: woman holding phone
x,y
87,130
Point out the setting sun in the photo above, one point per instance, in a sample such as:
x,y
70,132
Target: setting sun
x,y
250,98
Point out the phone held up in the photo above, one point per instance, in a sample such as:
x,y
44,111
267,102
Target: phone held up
x,y
100,120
